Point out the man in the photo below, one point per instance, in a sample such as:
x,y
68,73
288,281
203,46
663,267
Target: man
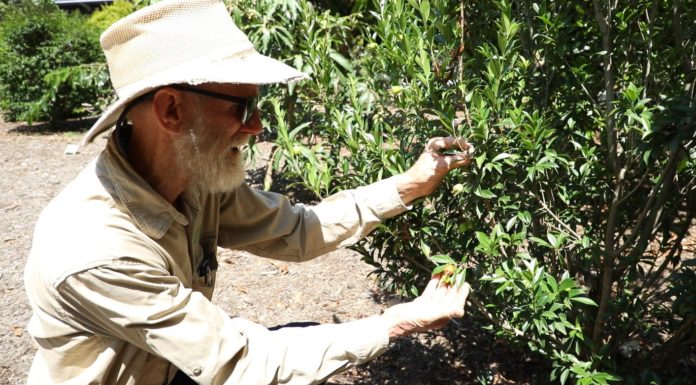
x,y
123,264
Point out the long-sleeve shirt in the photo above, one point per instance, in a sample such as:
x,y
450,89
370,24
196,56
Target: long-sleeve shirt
x,y
120,282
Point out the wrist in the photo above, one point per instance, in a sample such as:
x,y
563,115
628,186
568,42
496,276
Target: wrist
x,y
394,323
407,189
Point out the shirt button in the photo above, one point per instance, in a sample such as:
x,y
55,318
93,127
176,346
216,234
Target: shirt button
x,y
197,371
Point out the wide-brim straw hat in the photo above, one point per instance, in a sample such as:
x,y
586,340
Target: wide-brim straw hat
x,y
180,41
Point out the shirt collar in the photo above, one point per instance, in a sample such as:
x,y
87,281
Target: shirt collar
x,y
152,213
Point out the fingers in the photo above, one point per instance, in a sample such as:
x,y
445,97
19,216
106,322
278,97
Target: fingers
x,y
454,297
432,286
448,143
458,160
462,157
463,290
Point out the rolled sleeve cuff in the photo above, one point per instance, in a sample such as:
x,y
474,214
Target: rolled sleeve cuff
x,y
368,339
384,198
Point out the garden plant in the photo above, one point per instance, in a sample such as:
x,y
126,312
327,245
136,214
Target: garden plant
x,y
42,50
571,223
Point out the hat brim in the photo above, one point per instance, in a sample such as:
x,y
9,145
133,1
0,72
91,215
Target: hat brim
x,y
251,69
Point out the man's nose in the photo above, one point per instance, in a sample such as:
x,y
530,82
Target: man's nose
x,y
253,126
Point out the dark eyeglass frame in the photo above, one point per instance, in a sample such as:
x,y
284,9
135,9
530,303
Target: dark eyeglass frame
x,y
250,104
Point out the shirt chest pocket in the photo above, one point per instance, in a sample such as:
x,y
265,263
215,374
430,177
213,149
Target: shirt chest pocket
x,y
205,265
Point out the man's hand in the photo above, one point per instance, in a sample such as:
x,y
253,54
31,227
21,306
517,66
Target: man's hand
x,y
432,166
438,304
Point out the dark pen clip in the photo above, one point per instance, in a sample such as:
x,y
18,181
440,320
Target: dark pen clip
x,y
206,268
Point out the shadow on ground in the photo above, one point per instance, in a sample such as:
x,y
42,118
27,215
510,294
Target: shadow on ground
x,y
462,353
48,128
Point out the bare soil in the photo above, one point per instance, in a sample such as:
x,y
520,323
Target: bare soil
x,y
332,288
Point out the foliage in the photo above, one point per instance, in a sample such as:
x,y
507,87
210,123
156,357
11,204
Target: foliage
x,y
36,38
571,221
109,14
92,76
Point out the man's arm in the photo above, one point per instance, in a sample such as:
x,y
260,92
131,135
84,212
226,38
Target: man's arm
x,y
153,311
267,224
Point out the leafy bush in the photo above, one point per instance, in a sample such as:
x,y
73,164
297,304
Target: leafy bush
x,y
571,222
109,14
36,38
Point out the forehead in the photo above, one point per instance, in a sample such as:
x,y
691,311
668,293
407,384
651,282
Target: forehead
x,y
243,90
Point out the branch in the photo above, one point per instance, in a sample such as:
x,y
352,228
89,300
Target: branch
x,y
560,222
648,65
679,39
649,203
691,212
607,268
605,27
633,191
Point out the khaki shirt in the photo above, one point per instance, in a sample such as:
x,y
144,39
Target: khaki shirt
x,y
120,282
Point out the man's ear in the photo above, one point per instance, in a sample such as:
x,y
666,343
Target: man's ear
x,y
170,109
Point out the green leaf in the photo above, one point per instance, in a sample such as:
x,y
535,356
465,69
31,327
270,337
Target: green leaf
x,y
425,9
564,375
540,242
425,248
566,284
341,60
485,194
501,156
483,239
584,300
438,269
461,278
549,315
441,259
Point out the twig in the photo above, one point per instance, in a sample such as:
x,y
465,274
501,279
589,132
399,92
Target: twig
x,y
268,177
634,189
648,65
473,298
594,102
548,210
677,243
649,203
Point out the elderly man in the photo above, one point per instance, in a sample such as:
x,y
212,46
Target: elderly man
x,y
123,263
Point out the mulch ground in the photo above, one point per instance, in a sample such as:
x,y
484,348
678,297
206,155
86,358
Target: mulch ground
x,y
332,288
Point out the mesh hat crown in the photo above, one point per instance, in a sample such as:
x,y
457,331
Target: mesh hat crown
x,y
180,41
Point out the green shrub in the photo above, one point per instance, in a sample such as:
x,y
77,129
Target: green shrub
x,y
571,222
108,14
35,39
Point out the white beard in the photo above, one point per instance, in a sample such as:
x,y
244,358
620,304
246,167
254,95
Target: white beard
x,y
213,165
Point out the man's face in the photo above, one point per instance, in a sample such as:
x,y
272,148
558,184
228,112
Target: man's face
x,y
211,152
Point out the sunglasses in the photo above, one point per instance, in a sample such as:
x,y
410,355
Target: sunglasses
x,y
250,104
